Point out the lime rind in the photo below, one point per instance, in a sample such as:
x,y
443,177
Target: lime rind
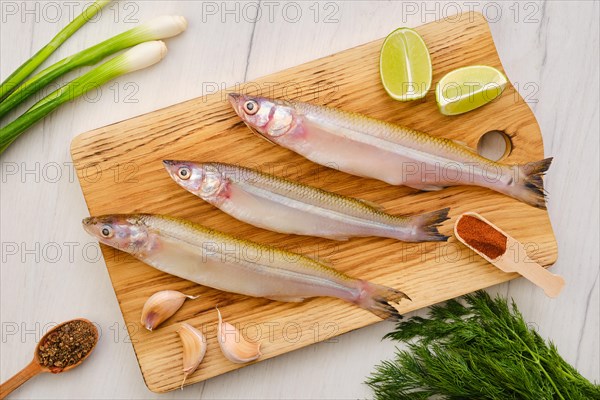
x,y
401,61
467,88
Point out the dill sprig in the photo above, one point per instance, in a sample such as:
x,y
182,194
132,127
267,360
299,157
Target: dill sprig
x,y
479,350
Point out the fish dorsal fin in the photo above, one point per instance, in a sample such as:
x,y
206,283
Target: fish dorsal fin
x,y
325,261
372,204
463,145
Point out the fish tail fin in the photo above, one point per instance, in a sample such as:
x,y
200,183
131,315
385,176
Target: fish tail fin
x,y
378,299
425,227
528,185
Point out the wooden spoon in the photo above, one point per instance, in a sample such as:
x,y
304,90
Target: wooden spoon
x,y
35,367
517,261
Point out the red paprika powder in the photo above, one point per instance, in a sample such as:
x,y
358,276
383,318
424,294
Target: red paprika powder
x,y
481,236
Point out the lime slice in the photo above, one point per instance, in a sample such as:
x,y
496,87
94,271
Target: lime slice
x,y
467,88
405,65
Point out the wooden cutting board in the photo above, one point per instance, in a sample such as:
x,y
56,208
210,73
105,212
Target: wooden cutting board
x,y
120,171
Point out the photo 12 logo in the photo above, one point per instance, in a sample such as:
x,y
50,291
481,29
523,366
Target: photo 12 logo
x,y
49,252
324,91
55,172
254,11
65,11
455,11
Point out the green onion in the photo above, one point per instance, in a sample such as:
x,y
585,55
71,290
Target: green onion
x,y
30,65
155,29
139,57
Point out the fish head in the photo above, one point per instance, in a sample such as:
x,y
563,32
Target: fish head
x,y
127,233
204,180
271,119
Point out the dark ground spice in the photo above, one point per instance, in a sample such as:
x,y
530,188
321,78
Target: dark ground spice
x,y
481,236
67,344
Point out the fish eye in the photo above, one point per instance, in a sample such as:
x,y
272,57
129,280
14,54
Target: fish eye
x,y
107,231
184,173
251,107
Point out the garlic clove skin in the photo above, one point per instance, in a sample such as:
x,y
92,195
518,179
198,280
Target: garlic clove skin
x,y
194,348
160,306
235,347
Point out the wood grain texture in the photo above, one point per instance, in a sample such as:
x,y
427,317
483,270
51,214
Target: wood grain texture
x,y
540,59
206,129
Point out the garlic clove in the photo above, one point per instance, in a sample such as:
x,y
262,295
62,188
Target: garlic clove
x,y
194,348
235,347
160,306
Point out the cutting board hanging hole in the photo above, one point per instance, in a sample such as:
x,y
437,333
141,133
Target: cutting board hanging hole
x,y
494,145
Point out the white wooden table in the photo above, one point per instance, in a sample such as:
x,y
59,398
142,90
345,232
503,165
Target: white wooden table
x,y
51,270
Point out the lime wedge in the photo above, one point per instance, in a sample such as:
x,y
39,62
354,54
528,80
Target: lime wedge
x,y
468,88
405,65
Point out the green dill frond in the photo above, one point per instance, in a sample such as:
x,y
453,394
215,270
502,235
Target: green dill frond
x,y
480,348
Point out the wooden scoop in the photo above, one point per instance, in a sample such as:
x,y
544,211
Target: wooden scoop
x,y
515,259
35,367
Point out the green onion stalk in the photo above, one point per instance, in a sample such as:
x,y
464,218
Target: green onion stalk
x,y
141,56
158,28
30,65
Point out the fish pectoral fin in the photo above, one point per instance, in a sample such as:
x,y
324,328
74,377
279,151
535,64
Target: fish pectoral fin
x,y
258,134
372,204
426,187
287,299
339,238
